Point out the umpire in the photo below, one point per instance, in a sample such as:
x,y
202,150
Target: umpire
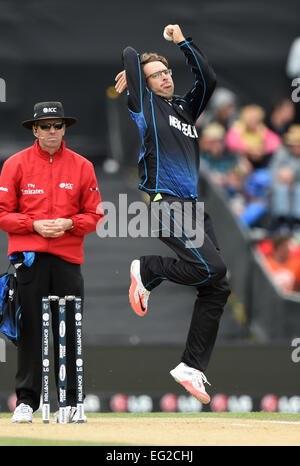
x,y
48,202
168,168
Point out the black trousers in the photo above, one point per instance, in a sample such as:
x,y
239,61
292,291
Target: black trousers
x,y
199,265
48,275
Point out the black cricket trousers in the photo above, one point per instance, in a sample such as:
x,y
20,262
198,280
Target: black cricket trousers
x,y
199,265
48,275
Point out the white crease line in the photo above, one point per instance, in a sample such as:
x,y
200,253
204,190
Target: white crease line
x,y
282,422
242,425
252,421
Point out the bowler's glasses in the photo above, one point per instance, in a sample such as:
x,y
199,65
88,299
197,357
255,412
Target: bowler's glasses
x,y
159,74
47,126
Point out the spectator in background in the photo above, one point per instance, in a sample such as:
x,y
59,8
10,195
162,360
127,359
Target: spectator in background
x,y
283,267
285,173
223,167
282,116
256,200
222,109
250,137
247,190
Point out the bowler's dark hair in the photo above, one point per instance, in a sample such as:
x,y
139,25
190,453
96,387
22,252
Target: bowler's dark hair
x,y
150,57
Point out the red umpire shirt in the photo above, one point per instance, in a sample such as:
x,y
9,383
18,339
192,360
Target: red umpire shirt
x,y
35,185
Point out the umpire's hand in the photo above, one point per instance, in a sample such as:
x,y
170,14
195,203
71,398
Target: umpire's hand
x,y
52,228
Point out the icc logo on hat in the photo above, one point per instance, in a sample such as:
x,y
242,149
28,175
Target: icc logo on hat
x,y
50,110
45,110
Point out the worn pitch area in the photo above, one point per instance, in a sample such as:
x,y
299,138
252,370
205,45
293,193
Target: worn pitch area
x,y
161,429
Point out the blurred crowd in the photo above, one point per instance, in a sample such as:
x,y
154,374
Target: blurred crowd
x,y
253,157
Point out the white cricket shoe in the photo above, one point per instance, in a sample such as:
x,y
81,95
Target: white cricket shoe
x,y
22,413
192,380
138,294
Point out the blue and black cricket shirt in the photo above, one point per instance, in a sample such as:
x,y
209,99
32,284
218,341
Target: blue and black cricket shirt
x,y
169,157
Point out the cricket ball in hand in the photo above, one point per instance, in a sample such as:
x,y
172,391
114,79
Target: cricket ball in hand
x,y
167,36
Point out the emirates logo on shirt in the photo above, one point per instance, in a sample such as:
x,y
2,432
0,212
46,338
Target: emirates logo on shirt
x,y
31,189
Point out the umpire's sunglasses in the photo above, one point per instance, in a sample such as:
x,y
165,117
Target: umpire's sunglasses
x,y
47,126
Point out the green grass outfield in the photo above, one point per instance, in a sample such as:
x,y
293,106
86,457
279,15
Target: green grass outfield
x,y
32,442
23,441
259,415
